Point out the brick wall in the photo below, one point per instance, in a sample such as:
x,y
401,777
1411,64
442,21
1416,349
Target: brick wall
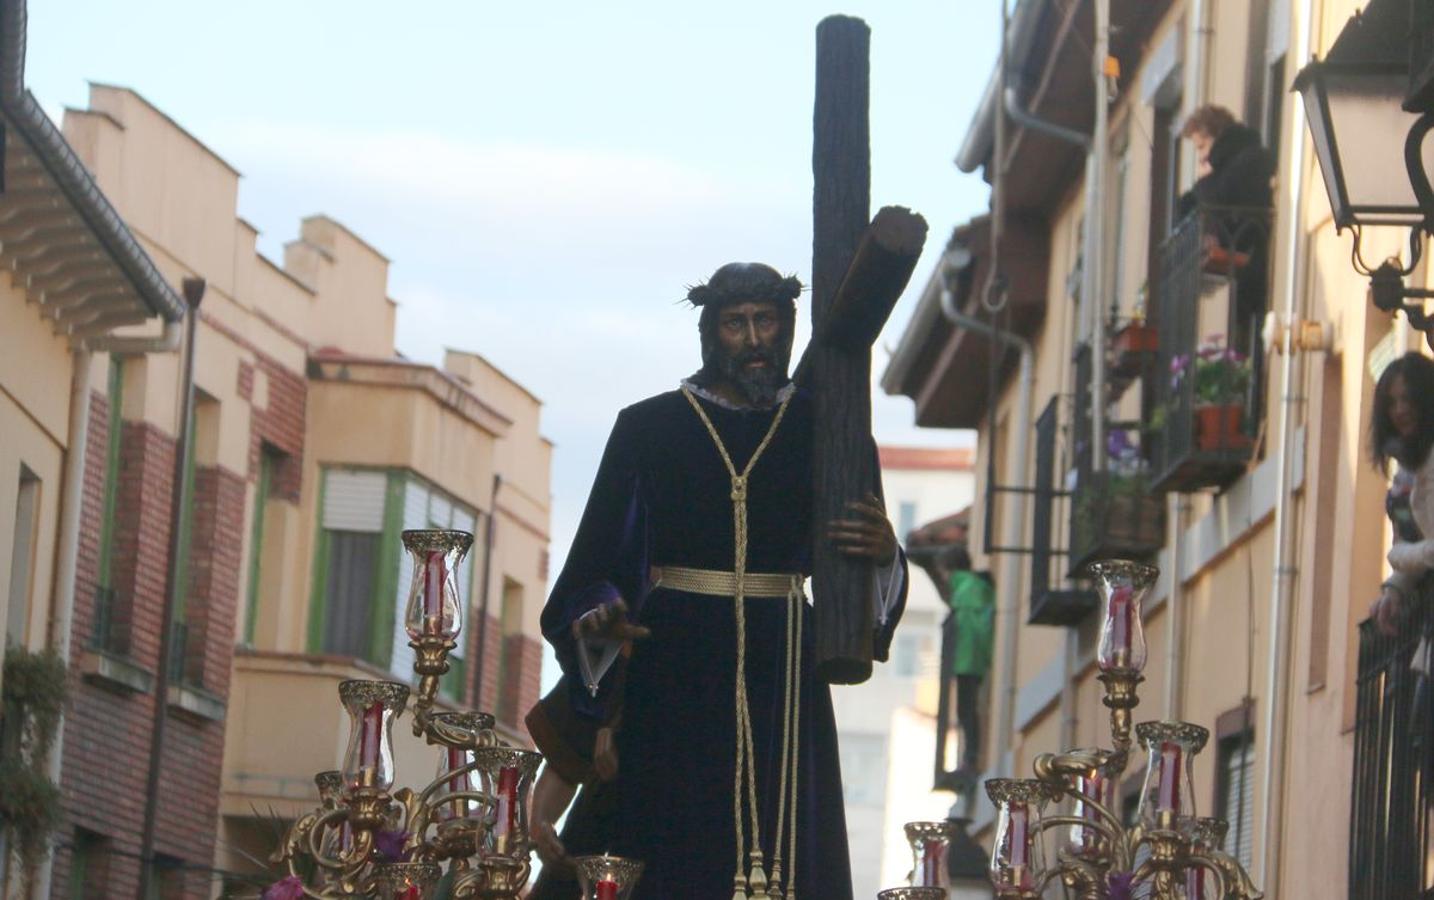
x,y
107,732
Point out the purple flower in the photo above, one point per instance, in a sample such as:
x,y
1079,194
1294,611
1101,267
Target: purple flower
x,y
290,888
1118,446
390,845
1122,885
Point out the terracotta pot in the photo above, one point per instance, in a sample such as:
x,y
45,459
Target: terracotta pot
x,y
1217,427
1136,338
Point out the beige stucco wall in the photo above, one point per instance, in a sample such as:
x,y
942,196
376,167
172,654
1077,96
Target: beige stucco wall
x,y
1335,513
35,368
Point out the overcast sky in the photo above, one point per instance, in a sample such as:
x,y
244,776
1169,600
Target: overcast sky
x,y
546,177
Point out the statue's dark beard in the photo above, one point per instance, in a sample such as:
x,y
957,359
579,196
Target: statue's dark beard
x,y
761,386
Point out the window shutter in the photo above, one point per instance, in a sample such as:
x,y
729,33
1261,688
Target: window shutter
x,y
353,501
1240,801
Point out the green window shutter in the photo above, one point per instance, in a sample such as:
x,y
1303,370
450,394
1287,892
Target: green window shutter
x,y
390,554
267,463
321,570
112,465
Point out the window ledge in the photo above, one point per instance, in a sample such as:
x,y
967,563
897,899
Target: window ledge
x,y
196,702
115,673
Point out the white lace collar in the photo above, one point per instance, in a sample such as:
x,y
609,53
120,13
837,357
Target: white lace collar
x,y
710,397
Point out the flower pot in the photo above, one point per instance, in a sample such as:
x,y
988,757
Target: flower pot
x,y
1132,346
1136,337
1217,427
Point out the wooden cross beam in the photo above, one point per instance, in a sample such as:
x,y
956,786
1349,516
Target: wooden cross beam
x,y
858,272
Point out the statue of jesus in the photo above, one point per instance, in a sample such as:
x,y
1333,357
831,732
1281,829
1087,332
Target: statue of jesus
x,y
687,573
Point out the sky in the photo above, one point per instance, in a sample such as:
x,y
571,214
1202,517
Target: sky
x,y
547,177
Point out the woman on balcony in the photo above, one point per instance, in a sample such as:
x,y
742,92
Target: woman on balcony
x,y
1402,429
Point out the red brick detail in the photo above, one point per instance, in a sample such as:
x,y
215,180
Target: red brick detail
x,y
280,424
520,678
245,384
492,649
216,537
108,735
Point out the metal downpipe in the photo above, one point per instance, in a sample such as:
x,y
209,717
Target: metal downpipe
x,y
1272,737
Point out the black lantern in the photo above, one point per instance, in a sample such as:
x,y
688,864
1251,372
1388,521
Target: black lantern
x,y
1367,144
1368,130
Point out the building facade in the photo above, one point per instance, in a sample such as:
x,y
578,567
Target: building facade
x,y
314,445
1271,540
878,749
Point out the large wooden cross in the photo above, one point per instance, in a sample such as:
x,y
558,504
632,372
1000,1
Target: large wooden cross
x,y
859,269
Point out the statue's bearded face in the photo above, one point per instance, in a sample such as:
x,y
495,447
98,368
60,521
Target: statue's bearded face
x,y
753,347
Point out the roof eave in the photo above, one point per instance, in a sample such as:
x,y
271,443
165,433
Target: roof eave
x,y
23,113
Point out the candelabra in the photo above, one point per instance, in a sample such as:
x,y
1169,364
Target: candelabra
x,y
1171,850
367,839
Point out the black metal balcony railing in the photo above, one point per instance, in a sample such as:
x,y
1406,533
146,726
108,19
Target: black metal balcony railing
x,y
1210,291
1389,829
108,633
1052,602
1113,513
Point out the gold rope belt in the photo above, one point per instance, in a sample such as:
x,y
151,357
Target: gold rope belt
x,y
724,584
750,881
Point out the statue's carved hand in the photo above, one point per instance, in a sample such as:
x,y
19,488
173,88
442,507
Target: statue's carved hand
x,y
608,622
866,534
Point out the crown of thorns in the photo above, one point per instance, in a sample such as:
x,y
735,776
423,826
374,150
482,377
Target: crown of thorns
x,y
745,283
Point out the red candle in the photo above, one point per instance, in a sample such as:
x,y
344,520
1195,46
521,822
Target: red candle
x,y
933,861
435,573
507,818
412,894
370,744
1018,845
607,889
1195,884
457,759
1092,787
1170,763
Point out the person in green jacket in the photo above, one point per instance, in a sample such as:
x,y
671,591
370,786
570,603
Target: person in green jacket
x,y
971,596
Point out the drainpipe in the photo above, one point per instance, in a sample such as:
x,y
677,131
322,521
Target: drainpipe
x,y
1092,294
62,612
1015,529
1272,736
179,499
480,656
1023,118
1175,611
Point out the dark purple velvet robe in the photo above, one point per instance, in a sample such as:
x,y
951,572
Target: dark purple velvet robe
x,y
662,497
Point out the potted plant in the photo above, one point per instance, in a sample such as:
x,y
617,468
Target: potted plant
x,y
1115,514
1220,379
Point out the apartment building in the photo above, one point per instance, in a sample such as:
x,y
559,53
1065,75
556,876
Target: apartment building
x,y
1270,534
314,444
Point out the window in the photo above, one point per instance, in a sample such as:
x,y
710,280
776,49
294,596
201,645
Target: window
x,y
269,460
906,519
510,626
1235,793
168,880
22,555
347,570
89,866
863,769
105,634
362,575
914,655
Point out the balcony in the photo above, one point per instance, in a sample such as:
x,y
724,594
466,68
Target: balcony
x,y
1211,292
286,724
1052,601
1390,840
1113,513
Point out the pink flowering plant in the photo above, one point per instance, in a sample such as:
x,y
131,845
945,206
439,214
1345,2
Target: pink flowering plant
x,y
1221,375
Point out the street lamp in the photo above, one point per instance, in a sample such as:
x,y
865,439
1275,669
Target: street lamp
x,y
1375,164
